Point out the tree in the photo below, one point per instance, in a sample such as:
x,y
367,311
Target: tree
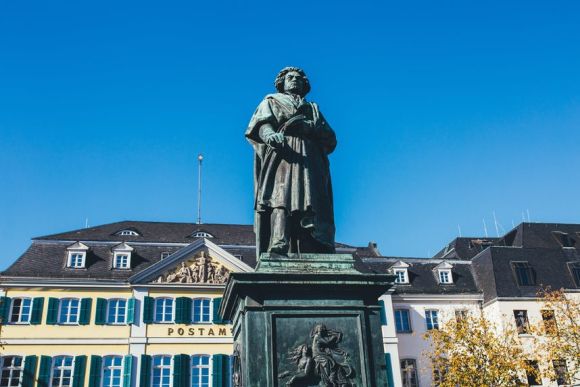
x,y
472,351
560,327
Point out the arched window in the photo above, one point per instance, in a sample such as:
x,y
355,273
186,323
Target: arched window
x,y
163,310
200,371
61,372
127,232
201,310
112,371
201,234
161,371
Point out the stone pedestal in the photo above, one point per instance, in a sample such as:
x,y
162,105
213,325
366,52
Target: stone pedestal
x,y
306,320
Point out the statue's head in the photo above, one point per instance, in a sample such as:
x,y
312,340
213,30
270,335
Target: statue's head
x,y
292,80
319,329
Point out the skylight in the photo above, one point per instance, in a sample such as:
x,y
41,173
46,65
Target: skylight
x,y
127,232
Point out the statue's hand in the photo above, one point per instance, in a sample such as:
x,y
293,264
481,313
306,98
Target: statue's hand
x,y
275,140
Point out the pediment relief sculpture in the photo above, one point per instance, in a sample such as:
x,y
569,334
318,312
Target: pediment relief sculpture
x,y
199,270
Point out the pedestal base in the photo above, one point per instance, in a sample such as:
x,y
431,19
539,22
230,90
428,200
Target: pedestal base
x,y
306,321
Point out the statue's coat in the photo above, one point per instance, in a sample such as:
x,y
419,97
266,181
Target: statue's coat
x,y
295,177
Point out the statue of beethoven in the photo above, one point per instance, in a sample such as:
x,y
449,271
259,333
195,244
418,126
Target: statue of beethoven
x,y
293,192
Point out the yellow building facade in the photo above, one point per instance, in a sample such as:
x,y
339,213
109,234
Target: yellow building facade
x,y
123,306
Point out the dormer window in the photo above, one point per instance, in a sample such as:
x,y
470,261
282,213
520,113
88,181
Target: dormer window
x,y
201,234
575,271
525,274
444,273
564,239
76,255
445,277
127,232
122,256
400,270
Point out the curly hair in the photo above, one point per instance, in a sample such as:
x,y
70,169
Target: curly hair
x,y
279,82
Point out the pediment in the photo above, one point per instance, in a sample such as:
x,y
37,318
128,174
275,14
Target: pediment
x,y
201,262
77,246
443,265
122,247
399,265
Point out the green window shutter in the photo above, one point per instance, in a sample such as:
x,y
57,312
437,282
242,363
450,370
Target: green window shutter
x,y
37,306
383,312
101,312
52,312
85,315
177,370
95,371
220,366
390,380
4,310
29,371
148,310
179,310
145,375
187,310
44,371
79,371
127,370
131,311
216,307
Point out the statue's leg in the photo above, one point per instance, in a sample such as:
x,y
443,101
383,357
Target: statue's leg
x,y
279,238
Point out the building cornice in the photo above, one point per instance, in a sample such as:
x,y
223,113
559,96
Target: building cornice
x,y
437,297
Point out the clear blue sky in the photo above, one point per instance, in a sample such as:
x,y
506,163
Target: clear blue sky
x,y
444,112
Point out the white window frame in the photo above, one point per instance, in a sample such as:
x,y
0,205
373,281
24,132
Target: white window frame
x,y
20,320
193,311
448,274
68,313
121,253
201,234
116,311
11,369
61,371
170,367
430,320
74,253
415,371
112,368
405,276
164,299
127,233
208,367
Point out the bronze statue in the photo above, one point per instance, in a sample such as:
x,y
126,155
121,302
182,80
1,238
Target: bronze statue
x,y
293,192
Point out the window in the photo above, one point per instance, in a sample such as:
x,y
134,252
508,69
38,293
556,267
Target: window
x,y
121,261
445,277
460,314
201,310
68,312
432,319
161,371
122,256
549,318
525,274
201,234
20,311
62,371
165,254
561,371
200,371
163,310
533,375
112,371
522,323
116,311
575,271
401,276
11,372
127,233
76,260
409,373
564,239
402,321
